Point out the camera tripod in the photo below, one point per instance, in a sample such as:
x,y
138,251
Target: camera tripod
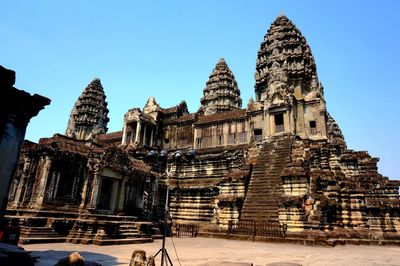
x,y
164,253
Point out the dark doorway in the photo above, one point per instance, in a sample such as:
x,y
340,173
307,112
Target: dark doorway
x,y
105,194
279,123
313,127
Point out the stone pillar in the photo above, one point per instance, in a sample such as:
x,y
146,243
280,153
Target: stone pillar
x,y
51,188
194,138
124,136
286,121
267,121
84,192
16,109
300,118
138,128
95,190
40,189
132,135
151,136
22,181
144,135
122,192
322,124
114,195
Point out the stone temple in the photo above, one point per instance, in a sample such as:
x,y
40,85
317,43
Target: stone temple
x,y
281,159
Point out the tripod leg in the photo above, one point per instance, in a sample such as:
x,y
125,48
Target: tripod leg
x,y
169,259
157,253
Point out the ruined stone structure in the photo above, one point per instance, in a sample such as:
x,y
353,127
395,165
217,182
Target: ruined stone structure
x,y
282,159
17,107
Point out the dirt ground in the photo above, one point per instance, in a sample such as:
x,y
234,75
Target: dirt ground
x,y
210,252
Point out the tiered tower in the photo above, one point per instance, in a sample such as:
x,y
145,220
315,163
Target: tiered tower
x,y
284,62
89,115
287,84
221,92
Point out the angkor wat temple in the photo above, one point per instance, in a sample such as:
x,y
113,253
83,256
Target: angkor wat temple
x,y
282,158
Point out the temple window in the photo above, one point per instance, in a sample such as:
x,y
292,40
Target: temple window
x,y
313,127
231,139
198,142
232,133
279,127
242,132
166,143
257,134
220,135
221,140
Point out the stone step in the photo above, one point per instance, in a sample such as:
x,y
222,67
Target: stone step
x,y
265,183
37,240
123,241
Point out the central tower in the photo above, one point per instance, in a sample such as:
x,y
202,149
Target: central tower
x,y
287,85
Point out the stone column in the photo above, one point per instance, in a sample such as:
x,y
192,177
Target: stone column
x,y
124,135
114,195
38,199
300,118
138,128
144,135
286,121
321,123
95,190
22,181
84,192
17,107
151,136
122,195
131,138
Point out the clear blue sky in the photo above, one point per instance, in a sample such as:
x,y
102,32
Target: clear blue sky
x,y
167,49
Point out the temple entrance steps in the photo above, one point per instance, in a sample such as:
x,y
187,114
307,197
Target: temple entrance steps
x,y
264,190
85,228
109,230
33,235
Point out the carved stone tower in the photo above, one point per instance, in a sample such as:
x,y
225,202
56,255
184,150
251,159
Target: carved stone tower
x,y
287,84
284,62
89,115
221,92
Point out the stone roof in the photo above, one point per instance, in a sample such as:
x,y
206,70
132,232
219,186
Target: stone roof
x,y
67,144
109,136
219,117
185,118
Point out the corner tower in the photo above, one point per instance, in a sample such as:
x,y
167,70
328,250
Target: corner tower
x,y
89,115
221,92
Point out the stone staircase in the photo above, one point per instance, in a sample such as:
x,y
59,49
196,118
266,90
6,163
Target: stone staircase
x,y
264,190
32,235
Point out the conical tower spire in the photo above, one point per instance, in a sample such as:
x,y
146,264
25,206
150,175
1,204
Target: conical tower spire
x,y
221,92
284,62
89,115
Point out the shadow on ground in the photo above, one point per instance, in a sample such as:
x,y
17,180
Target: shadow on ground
x,y
51,257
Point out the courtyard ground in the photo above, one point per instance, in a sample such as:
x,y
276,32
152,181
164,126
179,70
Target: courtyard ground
x,y
210,252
